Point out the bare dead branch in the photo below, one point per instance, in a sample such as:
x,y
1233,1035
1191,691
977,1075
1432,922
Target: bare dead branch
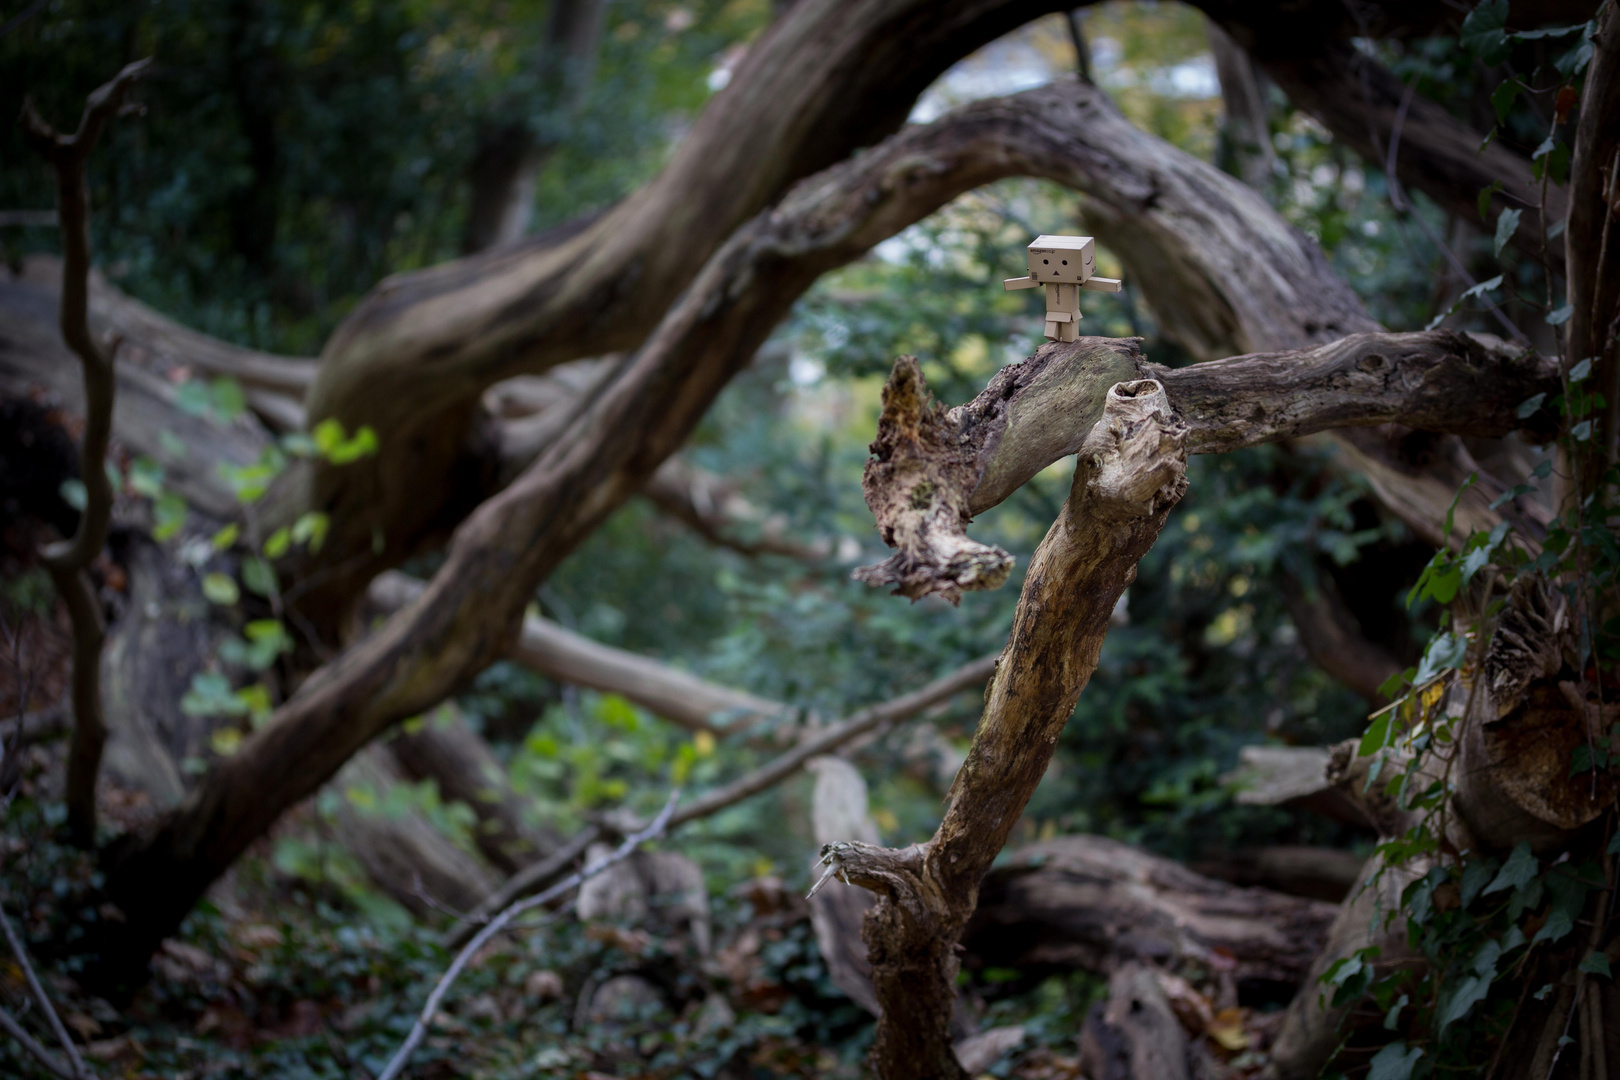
x,y
75,1064
932,469
654,829
711,507
558,653
1130,471
68,560
34,1048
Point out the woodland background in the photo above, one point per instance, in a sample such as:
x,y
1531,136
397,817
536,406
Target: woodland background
x,y
293,154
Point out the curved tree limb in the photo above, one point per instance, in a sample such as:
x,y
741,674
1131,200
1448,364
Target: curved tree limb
x,y
828,77
498,556
68,561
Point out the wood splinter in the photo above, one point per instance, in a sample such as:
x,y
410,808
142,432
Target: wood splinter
x,y
1065,265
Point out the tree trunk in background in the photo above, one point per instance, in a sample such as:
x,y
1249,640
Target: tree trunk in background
x,y
510,155
1246,131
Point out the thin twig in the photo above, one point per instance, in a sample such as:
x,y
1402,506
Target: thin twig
x,y
68,560
75,1062
771,773
419,1029
32,1045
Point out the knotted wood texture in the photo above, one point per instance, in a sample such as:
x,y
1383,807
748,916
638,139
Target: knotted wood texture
x,y
1130,470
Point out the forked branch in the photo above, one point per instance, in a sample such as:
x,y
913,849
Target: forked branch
x,y
933,470
69,560
1130,470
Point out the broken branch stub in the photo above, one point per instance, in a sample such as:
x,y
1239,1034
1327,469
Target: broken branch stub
x,y
932,469
1129,472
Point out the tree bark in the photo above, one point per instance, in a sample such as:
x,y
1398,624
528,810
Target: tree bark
x,y
1593,253
825,79
1096,904
510,155
1130,471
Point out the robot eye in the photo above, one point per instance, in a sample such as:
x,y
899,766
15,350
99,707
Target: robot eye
x,y
1045,261
1065,262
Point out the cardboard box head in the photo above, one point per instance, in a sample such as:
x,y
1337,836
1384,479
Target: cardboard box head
x,y
1067,259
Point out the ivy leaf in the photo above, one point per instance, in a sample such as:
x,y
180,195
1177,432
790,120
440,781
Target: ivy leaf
x,y
1456,1004
1476,875
1573,62
74,494
1502,99
1558,924
1484,33
1468,294
1581,371
1560,316
220,589
1506,225
1485,194
1596,964
168,515
1396,1061
1520,869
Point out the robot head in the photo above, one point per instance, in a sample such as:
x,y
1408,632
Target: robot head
x,y
1066,260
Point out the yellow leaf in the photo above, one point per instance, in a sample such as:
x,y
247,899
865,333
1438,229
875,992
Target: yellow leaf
x,y
1227,1030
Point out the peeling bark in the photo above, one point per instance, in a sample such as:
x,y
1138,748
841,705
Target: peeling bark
x,y
933,469
1096,904
1130,471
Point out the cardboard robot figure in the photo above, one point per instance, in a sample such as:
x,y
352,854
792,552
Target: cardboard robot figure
x,y
1065,265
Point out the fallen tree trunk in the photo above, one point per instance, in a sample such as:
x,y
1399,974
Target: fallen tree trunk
x,y
1095,904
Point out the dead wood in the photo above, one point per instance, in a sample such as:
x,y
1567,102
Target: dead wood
x,y
932,470
1130,471
1134,1035
401,852
445,750
68,560
558,653
1593,254
1315,873
1096,904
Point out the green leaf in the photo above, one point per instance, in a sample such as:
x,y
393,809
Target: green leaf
x,y
74,494
1582,371
1476,875
1484,200
1502,99
258,576
1528,407
210,695
227,398
1377,736
1596,964
146,477
1550,32
1484,32
1456,1004
1507,223
1614,844
276,546
1561,315
220,589
311,529
1468,294
1574,62
193,397
1451,511
226,537
1396,1061
1519,869
168,516
1581,431
1558,925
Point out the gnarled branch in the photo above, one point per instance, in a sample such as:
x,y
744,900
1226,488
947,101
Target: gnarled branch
x,y
69,560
